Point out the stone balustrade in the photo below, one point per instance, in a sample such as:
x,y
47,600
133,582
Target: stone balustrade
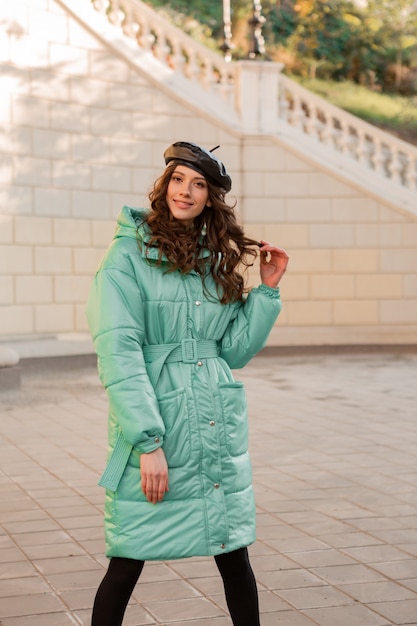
x,y
261,96
341,131
171,45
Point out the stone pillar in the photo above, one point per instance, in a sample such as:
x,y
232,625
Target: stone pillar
x,y
257,96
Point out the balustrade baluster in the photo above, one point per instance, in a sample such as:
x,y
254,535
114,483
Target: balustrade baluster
x,y
310,118
284,105
160,47
411,172
378,159
360,149
191,68
101,5
296,112
395,166
327,132
144,37
130,23
115,15
177,60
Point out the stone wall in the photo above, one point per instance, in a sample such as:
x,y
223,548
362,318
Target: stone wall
x,y
83,132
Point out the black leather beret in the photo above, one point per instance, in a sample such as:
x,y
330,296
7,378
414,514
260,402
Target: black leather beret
x,y
201,160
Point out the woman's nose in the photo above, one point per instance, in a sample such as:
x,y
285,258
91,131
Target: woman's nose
x,y
185,189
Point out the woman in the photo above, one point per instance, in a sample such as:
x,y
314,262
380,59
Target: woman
x,y
170,318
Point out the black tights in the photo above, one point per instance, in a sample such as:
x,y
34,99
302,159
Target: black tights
x,y
122,575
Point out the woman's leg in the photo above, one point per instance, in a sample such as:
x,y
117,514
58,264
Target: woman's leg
x,y
114,591
240,587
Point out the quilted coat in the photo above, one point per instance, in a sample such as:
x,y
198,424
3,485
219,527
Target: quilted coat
x,y
165,352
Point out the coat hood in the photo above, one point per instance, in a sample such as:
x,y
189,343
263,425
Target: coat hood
x,y
130,223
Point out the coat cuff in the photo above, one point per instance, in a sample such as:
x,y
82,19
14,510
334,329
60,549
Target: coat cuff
x,y
271,292
149,445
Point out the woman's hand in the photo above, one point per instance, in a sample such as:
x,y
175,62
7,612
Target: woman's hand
x,y
274,262
154,475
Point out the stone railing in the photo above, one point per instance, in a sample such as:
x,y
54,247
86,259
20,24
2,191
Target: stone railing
x,y
341,131
262,98
171,45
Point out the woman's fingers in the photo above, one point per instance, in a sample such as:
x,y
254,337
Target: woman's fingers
x,y
154,475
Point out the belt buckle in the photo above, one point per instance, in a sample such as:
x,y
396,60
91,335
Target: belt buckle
x,y
189,347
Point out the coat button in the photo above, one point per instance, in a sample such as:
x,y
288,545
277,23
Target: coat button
x,y
216,485
212,422
157,440
197,302
199,363
223,546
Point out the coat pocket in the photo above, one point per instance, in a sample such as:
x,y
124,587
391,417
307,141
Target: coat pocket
x,y
235,417
177,440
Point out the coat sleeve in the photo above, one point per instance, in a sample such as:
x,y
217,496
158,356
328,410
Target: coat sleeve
x,y
249,331
115,316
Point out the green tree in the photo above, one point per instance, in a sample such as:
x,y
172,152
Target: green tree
x,y
397,30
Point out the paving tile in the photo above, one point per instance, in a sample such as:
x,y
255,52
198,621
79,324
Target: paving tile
x,y
168,612
377,554
353,615
270,602
403,612
213,621
41,538
75,580
352,539
321,558
289,579
166,590
23,586
44,619
377,592
30,604
65,564
314,597
272,562
410,583
286,618
67,549
18,569
397,570
338,574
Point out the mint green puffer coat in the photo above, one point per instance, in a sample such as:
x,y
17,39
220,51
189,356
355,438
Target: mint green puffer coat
x,y
165,353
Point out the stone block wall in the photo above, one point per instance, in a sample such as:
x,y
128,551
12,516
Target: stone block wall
x,y
83,132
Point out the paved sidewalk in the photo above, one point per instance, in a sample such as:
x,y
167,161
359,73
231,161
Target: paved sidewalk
x,y
334,449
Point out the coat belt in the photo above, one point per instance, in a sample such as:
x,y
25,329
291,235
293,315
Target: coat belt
x,y
156,355
188,351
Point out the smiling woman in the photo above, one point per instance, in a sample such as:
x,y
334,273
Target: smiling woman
x,y
170,318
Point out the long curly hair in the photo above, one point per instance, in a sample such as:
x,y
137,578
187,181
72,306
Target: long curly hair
x,y
216,229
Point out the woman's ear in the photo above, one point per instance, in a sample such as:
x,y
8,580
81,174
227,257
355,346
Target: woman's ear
x,y
208,203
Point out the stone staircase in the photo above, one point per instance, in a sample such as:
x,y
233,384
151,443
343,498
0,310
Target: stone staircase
x,y
254,97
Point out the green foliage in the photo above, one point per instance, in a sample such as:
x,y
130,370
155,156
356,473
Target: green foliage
x,y
372,43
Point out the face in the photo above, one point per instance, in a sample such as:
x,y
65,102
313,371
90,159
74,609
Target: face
x,y
187,194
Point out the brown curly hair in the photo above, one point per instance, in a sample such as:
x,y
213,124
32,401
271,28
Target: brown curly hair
x,y
215,229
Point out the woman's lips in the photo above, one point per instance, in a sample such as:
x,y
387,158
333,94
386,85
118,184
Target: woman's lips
x,y
182,205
